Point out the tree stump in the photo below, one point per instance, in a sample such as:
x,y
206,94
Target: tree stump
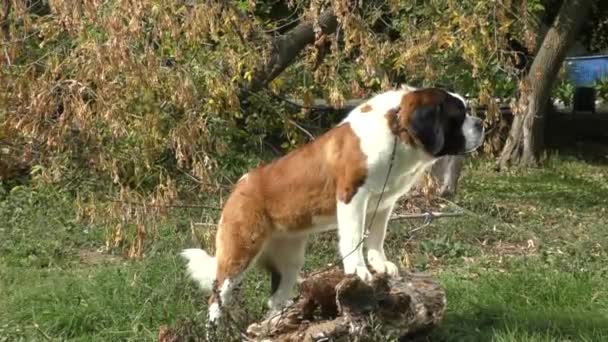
x,y
333,306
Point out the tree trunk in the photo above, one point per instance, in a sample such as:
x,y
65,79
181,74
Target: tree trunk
x,y
446,172
526,138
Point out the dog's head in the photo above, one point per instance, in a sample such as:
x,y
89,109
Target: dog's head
x,y
437,121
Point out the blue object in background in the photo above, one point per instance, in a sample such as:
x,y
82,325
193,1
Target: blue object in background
x,y
585,71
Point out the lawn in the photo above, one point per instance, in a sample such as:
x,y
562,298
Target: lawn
x,y
527,262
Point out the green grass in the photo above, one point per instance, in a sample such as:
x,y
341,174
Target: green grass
x,y
528,262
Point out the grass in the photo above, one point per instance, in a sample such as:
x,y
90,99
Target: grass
x,y
526,263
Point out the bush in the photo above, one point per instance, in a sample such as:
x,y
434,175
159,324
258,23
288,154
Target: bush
x,y
139,101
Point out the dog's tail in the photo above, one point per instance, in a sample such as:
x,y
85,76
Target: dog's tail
x,y
201,267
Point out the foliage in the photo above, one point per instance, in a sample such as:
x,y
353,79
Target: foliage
x,y
129,96
601,88
595,32
599,38
113,113
564,91
121,102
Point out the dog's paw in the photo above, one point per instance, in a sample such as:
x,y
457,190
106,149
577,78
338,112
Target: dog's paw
x,y
382,267
214,313
391,269
362,272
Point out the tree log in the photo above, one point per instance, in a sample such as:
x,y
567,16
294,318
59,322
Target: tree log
x,y
335,307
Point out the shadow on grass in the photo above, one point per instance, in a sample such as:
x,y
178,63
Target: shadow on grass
x,y
556,187
570,191
501,323
591,151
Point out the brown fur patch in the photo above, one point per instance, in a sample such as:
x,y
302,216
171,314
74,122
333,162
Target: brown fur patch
x,y
409,102
306,182
365,108
286,194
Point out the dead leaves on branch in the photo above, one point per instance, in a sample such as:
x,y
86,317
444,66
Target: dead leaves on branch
x,y
134,93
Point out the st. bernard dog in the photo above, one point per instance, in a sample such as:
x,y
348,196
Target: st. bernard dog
x,y
333,182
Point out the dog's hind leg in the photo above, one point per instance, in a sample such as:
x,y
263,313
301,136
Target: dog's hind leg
x,y
285,258
238,247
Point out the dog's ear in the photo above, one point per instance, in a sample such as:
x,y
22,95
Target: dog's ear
x,y
425,123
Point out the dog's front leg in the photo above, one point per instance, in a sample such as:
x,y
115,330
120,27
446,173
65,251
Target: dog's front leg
x,y
375,243
351,220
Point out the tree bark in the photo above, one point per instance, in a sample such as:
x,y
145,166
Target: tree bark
x,y
336,307
286,48
446,172
526,138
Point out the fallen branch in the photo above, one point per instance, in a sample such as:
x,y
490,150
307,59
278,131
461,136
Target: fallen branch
x,y
430,215
319,105
186,206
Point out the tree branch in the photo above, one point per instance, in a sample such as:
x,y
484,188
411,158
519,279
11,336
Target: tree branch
x,y
286,48
428,215
320,105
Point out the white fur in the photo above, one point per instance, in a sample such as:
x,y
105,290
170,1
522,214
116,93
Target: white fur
x,y
375,243
201,267
377,142
351,219
287,255
460,97
215,311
